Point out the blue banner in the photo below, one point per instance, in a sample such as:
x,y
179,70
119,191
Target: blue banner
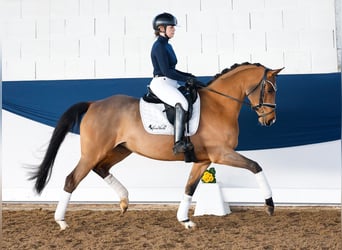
x,y
308,106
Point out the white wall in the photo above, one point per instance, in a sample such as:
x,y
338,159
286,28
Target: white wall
x,y
75,39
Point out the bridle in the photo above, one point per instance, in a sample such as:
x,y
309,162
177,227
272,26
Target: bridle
x,y
261,103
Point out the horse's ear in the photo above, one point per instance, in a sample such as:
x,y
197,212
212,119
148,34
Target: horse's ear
x,y
275,72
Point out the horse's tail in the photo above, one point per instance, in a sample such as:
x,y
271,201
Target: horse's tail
x,y
64,125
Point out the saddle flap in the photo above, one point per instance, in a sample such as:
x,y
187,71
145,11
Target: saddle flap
x,y
155,120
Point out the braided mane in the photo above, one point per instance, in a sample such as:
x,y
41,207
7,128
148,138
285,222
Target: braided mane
x,y
234,66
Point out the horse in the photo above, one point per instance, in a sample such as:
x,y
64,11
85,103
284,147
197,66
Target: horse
x,y
111,129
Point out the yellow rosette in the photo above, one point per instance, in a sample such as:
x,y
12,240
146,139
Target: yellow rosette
x,y
209,176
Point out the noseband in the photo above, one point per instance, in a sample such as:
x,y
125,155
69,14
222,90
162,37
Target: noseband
x,y
261,103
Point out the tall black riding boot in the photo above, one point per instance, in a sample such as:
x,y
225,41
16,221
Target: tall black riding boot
x,y
180,145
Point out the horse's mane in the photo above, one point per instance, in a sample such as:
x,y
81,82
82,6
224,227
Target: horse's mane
x,y
234,66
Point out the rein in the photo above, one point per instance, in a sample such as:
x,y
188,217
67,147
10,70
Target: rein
x,y
228,96
262,83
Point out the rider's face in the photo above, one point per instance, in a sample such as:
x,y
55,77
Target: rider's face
x,y
170,31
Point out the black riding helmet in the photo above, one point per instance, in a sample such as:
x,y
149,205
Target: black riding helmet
x,y
164,19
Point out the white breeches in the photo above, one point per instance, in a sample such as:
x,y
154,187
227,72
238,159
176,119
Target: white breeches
x,y
166,90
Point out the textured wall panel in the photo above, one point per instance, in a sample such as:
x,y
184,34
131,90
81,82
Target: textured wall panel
x,y
110,26
317,39
187,44
19,29
248,4
243,29
42,28
64,8
79,69
282,40
270,59
35,8
228,59
49,69
131,46
116,46
78,27
57,28
202,22
298,61
35,49
296,20
19,69
203,64
324,60
181,6
110,67
216,5
94,8
209,44
281,4
10,9
266,20
138,24
65,48
225,42
91,47
133,66
249,41
11,48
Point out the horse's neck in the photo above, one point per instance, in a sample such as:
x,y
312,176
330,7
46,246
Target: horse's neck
x,y
221,102
231,88
238,81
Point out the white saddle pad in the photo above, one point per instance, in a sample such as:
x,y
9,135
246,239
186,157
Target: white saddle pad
x,y
155,121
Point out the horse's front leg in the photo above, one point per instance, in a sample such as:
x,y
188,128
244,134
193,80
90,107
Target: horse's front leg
x,y
235,159
184,206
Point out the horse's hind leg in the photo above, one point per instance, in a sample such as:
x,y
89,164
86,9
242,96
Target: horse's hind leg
x,y
71,182
102,169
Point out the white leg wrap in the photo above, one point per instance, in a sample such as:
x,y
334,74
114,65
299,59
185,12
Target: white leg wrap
x,y
62,206
183,209
117,186
263,184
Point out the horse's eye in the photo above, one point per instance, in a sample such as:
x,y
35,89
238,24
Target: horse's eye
x,y
270,90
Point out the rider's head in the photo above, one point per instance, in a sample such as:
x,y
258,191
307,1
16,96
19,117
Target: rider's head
x,y
162,21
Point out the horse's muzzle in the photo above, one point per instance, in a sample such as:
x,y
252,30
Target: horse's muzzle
x,y
266,122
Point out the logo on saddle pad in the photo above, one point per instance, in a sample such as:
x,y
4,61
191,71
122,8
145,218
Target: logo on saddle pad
x,y
155,121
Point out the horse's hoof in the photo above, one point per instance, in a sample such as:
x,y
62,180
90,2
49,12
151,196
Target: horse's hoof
x,y
123,205
269,206
188,224
269,210
63,225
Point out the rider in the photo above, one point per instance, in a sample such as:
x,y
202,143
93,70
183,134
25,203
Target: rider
x,y
165,77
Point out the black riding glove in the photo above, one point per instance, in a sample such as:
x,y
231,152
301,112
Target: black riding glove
x,y
196,83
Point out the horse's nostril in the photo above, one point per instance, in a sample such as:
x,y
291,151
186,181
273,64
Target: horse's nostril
x,y
271,122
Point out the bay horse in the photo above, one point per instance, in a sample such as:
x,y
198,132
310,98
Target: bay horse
x,y
111,129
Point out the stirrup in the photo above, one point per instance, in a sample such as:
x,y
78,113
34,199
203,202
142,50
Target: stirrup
x,y
182,146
